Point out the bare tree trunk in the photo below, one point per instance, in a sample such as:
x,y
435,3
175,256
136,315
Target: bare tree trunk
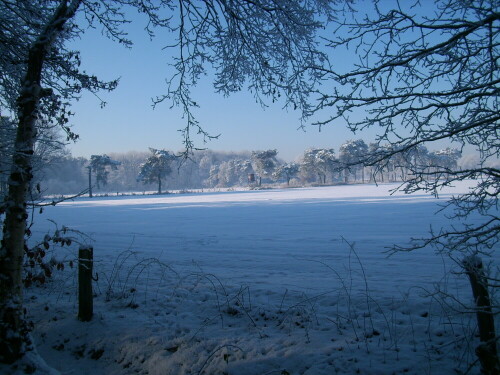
x,y
159,184
487,350
14,338
90,181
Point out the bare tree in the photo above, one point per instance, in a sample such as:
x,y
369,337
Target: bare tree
x,y
422,79
427,72
267,46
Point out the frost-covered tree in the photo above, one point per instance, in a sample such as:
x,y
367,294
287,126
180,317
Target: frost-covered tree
x,y
286,171
325,162
156,168
125,179
425,72
227,174
264,163
47,148
267,47
417,158
319,162
351,154
445,159
235,172
213,176
65,175
100,165
230,173
377,169
307,165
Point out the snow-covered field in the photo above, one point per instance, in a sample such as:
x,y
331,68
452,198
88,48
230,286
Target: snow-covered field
x,y
292,281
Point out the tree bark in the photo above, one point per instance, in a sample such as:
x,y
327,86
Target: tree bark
x,y
14,330
90,181
487,350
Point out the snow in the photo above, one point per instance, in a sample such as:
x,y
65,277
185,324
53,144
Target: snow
x,y
282,281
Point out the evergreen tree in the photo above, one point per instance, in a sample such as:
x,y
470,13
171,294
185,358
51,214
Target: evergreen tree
x,y
156,168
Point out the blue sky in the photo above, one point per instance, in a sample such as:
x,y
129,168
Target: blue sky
x,y
128,121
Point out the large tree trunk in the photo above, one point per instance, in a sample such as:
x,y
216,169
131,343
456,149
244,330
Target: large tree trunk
x,y
14,338
487,351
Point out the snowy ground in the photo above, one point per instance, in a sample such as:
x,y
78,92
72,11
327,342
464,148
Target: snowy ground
x,y
256,282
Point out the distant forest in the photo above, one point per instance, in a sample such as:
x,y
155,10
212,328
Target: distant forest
x,y
61,173
56,172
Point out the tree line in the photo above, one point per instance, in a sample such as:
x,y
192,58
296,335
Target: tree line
x,y
164,170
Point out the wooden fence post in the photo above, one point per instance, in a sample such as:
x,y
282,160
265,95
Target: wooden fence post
x,y
487,349
85,302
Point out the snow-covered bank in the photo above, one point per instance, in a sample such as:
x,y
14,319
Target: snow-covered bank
x,y
256,282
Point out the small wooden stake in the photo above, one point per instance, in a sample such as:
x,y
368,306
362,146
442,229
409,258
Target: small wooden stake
x,y
85,302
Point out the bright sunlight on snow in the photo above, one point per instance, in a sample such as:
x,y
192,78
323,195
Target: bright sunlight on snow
x,y
292,281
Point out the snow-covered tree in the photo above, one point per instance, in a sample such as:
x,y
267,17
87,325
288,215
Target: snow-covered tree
x,y
264,163
286,171
227,173
213,176
318,162
47,148
267,47
125,179
377,169
100,165
230,173
351,154
445,159
65,175
417,158
307,165
156,168
241,170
